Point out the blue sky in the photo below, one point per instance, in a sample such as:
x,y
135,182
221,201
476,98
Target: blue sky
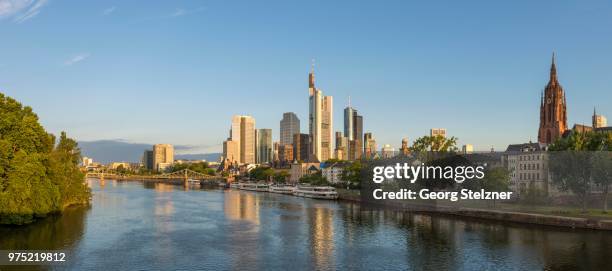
x,y
176,71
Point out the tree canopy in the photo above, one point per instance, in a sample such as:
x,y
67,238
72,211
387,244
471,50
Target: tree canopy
x,y
37,176
436,143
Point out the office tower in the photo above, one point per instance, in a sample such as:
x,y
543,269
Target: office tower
x,y
320,121
437,132
289,126
247,140
599,121
353,130
240,146
341,147
147,160
369,146
349,112
301,147
553,110
357,150
264,146
467,149
163,156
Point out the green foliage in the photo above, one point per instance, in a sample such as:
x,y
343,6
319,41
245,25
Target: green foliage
x,y
201,167
261,173
434,143
579,160
351,175
583,141
281,176
36,177
314,179
496,180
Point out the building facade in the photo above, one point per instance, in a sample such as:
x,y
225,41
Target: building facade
x,y
387,151
528,167
405,150
301,147
369,146
240,146
147,160
264,146
320,121
553,109
437,132
163,156
289,126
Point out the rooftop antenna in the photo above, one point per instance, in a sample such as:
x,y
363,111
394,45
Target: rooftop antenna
x,y
349,101
312,65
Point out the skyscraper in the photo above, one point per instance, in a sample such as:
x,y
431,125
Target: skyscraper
x,y
264,146
240,146
289,126
301,147
353,130
553,110
163,156
247,140
320,121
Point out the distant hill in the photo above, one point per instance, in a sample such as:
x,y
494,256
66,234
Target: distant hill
x,y
105,151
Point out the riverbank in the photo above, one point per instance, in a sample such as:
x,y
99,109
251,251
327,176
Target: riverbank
x,y
498,215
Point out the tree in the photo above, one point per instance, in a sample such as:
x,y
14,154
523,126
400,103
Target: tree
x,y
574,163
281,176
496,180
314,179
37,177
602,174
261,173
434,143
351,175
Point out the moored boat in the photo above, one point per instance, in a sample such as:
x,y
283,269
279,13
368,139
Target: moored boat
x,y
260,187
282,189
316,192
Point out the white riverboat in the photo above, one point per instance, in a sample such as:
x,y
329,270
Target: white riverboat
x,y
316,192
260,187
282,189
235,185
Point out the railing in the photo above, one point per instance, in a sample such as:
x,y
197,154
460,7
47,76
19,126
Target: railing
x,y
184,174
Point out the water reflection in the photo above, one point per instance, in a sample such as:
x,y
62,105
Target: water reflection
x,y
321,227
147,225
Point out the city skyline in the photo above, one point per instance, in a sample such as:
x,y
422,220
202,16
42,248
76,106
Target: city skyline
x,y
471,78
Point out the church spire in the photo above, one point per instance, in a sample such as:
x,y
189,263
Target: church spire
x,y
553,70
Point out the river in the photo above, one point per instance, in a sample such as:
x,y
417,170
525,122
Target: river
x,y
154,226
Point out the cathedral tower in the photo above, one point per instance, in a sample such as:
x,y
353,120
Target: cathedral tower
x,y
553,112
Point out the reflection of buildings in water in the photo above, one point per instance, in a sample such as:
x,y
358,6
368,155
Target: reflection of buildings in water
x,y
163,223
242,206
163,187
321,222
242,209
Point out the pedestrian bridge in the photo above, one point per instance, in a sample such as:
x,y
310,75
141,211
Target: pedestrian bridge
x,y
184,175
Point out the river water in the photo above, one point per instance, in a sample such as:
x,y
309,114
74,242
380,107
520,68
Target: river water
x,y
154,226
